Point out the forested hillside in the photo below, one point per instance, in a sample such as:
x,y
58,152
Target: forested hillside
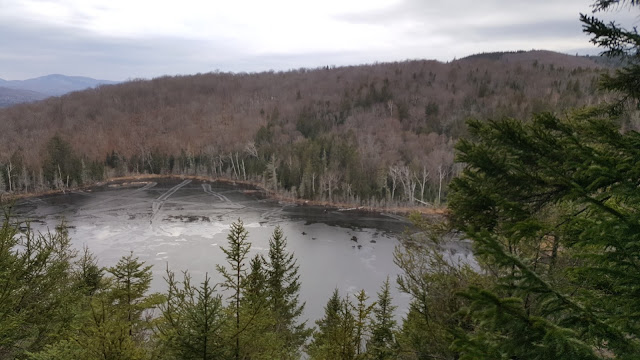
x,y
374,134
549,201
9,96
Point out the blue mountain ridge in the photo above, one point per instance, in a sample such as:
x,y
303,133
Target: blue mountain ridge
x,y
20,91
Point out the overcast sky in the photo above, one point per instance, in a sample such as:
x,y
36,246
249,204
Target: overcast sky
x,y
123,39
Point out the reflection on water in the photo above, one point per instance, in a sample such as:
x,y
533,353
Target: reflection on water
x,y
182,225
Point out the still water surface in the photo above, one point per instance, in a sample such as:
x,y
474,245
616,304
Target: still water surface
x,y
183,224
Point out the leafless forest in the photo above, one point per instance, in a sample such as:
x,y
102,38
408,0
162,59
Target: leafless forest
x,y
380,134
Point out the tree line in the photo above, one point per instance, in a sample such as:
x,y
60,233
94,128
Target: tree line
x,y
379,134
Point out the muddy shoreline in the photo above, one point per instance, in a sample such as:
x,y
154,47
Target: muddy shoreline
x,y
135,180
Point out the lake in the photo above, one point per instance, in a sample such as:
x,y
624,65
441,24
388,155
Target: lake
x,y
182,224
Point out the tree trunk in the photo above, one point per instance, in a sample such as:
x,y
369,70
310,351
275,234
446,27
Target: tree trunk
x,y
313,184
233,166
440,177
9,168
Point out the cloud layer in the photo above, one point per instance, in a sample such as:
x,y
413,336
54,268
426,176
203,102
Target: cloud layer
x,y
120,39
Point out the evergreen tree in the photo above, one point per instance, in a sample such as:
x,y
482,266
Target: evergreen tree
x,y
109,322
619,43
334,338
88,272
38,297
61,167
192,320
346,332
283,284
255,287
433,280
362,313
551,206
382,344
129,283
235,276
105,334
118,325
258,328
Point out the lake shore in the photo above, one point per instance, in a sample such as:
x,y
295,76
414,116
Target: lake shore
x,y
142,178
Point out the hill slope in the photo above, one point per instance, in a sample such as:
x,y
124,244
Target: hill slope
x,y
10,97
371,131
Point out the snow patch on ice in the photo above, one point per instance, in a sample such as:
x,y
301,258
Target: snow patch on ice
x,y
103,233
369,261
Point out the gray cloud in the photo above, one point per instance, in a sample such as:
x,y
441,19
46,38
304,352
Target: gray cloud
x,y
439,12
33,50
415,28
541,30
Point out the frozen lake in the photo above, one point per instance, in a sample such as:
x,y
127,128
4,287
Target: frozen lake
x,y
182,224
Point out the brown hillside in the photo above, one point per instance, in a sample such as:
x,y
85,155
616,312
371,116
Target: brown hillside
x,y
224,111
404,114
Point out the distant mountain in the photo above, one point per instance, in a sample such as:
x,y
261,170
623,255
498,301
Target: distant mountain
x,y
545,56
10,97
49,85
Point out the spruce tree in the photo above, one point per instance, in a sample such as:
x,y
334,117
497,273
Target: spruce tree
x,y
88,273
130,280
433,280
361,311
346,334
551,206
234,277
39,290
382,344
255,286
119,323
622,45
112,321
192,320
258,329
61,164
283,284
335,335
